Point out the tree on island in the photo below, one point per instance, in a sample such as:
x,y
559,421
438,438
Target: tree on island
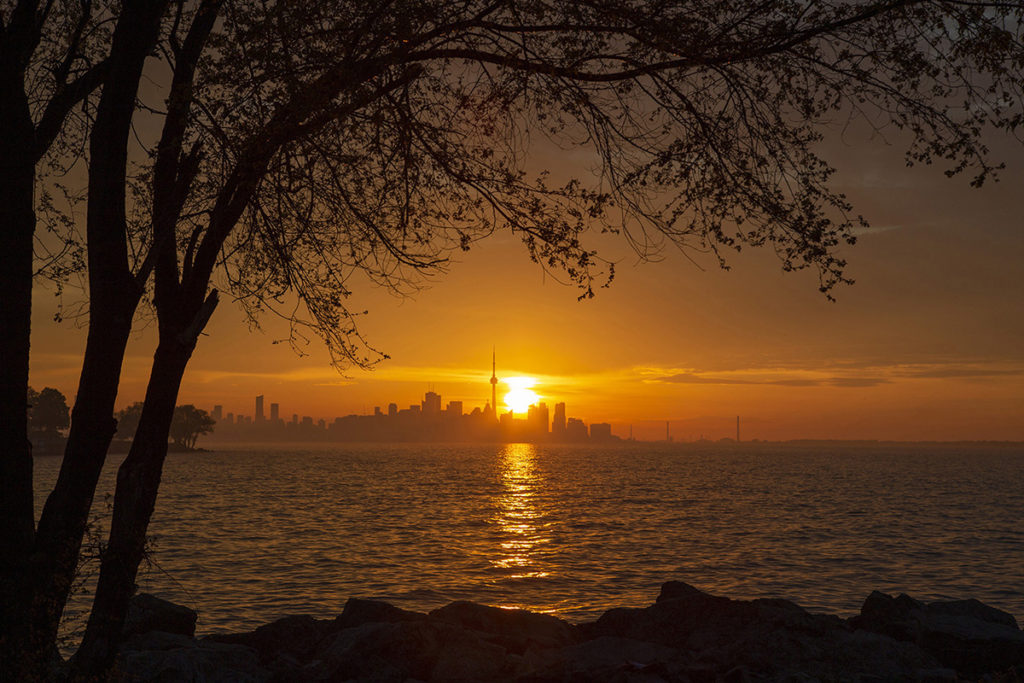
x,y
128,419
302,143
188,424
48,411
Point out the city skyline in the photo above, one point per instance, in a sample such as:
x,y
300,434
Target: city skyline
x,y
425,421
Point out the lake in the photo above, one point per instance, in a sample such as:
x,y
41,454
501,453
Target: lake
x,y
248,534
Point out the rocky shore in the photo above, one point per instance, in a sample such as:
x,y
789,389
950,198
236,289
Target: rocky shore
x,y
686,635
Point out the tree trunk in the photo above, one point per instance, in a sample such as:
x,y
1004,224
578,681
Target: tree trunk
x,y
138,480
17,227
66,513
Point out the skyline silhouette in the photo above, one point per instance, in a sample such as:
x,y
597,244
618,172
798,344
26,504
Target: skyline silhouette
x,y
427,421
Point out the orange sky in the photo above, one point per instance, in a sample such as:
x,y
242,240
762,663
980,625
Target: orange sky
x,y
928,344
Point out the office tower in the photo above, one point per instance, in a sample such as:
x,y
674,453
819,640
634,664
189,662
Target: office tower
x,y
600,431
218,413
275,410
575,429
431,404
392,409
259,408
558,424
537,418
454,409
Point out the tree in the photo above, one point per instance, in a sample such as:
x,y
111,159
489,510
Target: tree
x,y
128,420
49,411
51,60
188,424
303,143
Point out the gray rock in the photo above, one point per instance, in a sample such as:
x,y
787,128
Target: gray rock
x,y
514,630
415,649
764,639
603,659
149,613
966,635
359,611
159,657
297,637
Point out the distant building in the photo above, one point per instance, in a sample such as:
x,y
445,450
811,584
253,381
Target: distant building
x,y
275,410
454,409
259,408
392,409
601,431
218,413
537,419
575,430
558,424
431,404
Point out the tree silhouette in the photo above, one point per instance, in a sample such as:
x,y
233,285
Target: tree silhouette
x,y
305,143
50,61
49,411
188,424
128,420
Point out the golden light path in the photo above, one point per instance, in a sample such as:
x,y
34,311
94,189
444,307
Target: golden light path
x,y
521,395
519,516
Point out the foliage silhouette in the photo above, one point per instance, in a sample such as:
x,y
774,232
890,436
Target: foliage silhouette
x,y
305,148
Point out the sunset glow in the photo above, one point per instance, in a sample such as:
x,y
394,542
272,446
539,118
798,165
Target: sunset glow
x,y
521,395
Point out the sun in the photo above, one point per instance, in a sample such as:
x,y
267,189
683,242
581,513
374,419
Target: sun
x,y
520,396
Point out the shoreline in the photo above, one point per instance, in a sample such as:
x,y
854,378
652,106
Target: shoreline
x,y
685,635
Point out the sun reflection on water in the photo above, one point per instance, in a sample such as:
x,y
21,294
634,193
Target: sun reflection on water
x,y
519,518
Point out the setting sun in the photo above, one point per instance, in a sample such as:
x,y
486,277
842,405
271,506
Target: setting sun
x,y
520,395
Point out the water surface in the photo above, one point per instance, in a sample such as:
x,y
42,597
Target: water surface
x,y
251,534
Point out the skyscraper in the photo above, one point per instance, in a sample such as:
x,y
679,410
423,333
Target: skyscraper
x,y
558,424
431,404
259,408
494,384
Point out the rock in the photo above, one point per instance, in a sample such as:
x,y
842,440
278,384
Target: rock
x,y
296,637
966,635
150,613
410,649
774,639
514,630
165,657
603,659
359,611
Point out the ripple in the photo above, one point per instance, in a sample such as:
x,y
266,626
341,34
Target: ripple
x,y
249,536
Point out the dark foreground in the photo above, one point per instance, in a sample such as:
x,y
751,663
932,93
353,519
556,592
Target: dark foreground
x,y
687,635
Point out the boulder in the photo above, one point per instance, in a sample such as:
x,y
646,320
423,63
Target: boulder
x,y
514,630
296,637
767,639
603,659
149,613
358,611
412,649
159,657
966,635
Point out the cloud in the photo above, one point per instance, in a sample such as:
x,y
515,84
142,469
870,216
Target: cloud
x,y
857,382
843,374
957,372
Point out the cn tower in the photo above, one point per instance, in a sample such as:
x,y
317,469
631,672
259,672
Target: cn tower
x,y
494,386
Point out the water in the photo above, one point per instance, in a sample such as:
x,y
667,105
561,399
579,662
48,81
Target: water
x,y
252,534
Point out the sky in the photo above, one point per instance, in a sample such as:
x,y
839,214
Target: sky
x,y
928,344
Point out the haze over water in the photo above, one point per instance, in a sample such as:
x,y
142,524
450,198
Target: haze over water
x,y
249,535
